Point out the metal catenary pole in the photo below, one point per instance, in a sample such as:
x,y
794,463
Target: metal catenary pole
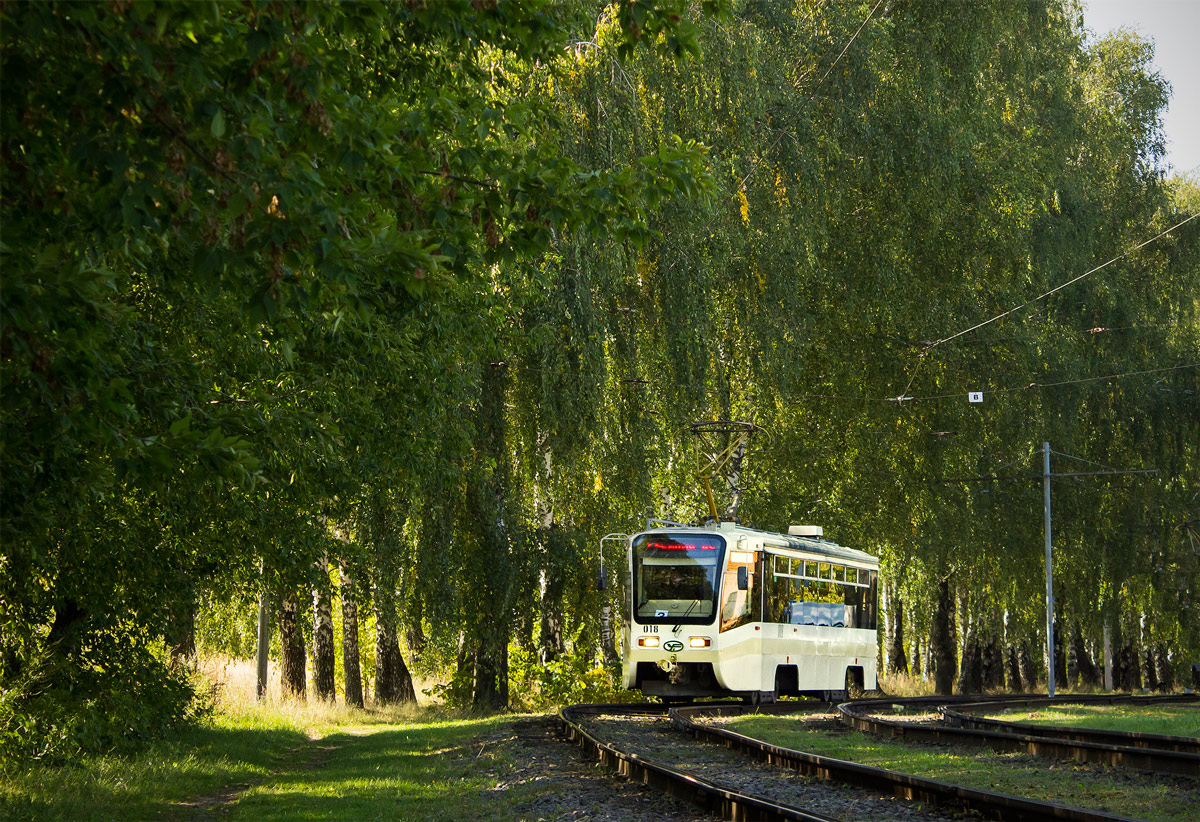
x,y
1046,476
264,638
1049,573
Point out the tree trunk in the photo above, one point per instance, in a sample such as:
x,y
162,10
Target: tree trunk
x,y
942,641
733,479
897,659
608,642
415,633
491,677
1166,678
1060,653
68,627
323,654
1108,658
291,641
1083,669
1128,672
1029,669
970,675
262,647
970,679
993,665
392,680
1151,675
350,660
495,568
916,657
1013,671
551,641
464,672
183,627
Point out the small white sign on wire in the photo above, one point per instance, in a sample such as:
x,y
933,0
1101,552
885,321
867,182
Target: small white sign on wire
x,y
975,396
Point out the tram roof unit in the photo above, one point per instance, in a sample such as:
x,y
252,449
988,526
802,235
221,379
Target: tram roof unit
x,y
771,539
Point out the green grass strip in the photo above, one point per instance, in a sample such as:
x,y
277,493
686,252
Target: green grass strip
x,y
1134,794
1169,720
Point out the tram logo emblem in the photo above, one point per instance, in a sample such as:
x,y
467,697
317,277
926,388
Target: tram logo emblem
x,y
673,646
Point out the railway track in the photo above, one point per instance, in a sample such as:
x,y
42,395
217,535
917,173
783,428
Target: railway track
x,y
1151,752
1184,744
720,796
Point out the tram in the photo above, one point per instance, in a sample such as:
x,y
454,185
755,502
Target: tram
x,y
721,609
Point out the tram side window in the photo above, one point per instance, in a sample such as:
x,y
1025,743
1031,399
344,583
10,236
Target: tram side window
x,y
779,595
870,610
861,603
816,603
842,596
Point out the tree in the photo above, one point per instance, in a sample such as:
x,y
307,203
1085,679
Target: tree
x,y
191,201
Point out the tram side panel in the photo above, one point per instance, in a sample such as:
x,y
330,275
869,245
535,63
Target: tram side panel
x,y
739,659
791,658
828,607
794,625
747,658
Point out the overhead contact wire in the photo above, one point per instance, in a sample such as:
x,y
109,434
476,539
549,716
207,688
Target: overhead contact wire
x,y
1028,387
741,186
1058,288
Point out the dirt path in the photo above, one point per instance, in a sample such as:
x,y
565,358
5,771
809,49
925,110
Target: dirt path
x,y
217,805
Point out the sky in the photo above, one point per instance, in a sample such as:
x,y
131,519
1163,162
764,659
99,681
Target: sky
x,y
1174,26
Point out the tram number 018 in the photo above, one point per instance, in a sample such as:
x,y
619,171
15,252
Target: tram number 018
x,y
649,629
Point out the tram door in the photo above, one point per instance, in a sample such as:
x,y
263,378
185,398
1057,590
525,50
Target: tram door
x,y
741,598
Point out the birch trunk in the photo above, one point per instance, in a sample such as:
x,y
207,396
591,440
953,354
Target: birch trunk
x,y
323,655
350,660
291,641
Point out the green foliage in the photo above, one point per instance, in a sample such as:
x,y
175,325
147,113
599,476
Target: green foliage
x,y
571,678
123,699
431,290
235,241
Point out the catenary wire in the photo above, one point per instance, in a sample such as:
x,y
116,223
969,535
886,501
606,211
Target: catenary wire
x,y
783,132
1055,290
1027,387
1060,287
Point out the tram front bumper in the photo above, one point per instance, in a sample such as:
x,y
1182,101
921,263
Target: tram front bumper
x,y
687,673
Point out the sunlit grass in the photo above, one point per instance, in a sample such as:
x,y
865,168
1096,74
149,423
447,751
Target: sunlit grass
x,y
1166,799
905,685
279,759
1169,720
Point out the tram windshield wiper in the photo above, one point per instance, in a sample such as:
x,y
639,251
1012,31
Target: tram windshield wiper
x,y
686,614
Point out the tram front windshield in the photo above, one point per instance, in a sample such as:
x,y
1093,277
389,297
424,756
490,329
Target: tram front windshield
x,y
675,577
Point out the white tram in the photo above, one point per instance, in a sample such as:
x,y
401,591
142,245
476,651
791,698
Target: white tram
x,y
721,609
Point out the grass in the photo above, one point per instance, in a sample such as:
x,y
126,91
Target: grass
x,y
418,770
1170,720
903,685
1157,799
279,760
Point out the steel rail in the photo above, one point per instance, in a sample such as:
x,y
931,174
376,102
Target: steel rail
x,y
735,805
861,716
967,717
727,803
990,804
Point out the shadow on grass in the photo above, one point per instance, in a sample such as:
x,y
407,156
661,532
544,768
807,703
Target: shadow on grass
x,y
426,772
150,784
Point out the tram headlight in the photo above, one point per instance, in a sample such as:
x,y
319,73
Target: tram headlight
x,y
699,642
647,642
